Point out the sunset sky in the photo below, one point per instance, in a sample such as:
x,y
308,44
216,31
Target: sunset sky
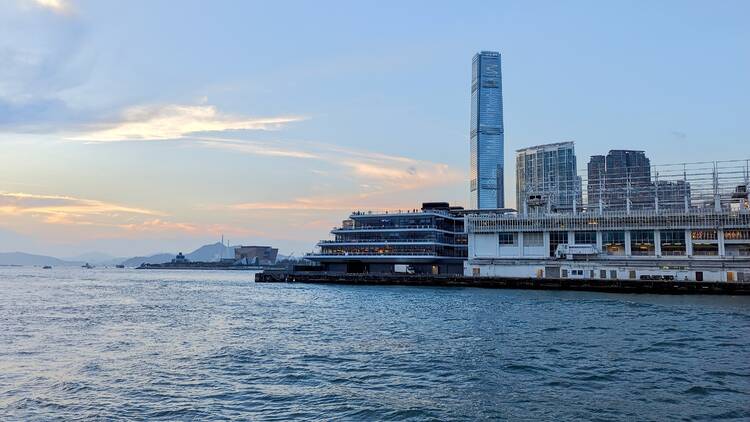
x,y
135,127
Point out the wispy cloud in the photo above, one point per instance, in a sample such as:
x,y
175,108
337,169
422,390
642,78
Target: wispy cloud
x,y
174,122
389,171
316,204
159,226
103,219
63,209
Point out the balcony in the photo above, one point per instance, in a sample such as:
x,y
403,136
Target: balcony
x,y
390,242
393,228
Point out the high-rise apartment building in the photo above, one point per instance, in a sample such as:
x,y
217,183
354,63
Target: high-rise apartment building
x,y
486,132
624,175
547,179
596,176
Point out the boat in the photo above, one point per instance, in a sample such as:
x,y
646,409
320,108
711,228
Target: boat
x,y
87,265
47,267
119,266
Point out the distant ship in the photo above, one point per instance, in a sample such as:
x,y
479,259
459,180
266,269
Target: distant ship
x,y
87,265
119,266
47,267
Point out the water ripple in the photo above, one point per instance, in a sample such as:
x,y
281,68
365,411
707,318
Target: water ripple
x,y
190,345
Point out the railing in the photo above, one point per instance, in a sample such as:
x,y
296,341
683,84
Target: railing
x,y
431,254
385,241
395,227
487,223
401,212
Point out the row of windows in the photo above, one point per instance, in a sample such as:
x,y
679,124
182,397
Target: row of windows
x,y
742,234
533,239
642,239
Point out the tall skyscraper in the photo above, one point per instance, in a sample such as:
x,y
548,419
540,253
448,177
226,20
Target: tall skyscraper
x,y
547,178
487,134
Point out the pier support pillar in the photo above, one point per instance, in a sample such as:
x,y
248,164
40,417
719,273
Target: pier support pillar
x,y
520,244
628,250
571,238
599,242
722,248
657,243
688,243
546,242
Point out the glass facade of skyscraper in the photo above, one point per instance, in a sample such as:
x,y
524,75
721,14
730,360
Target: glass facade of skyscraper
x,y
487,133
547,178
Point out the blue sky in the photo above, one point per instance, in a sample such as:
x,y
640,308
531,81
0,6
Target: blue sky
x,y
142,126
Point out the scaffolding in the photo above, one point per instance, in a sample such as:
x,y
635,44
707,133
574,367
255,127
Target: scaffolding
x,y
717,186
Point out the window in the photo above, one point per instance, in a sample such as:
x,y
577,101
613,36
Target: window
x,y
703,235
642,242
532,239
613,243
507,238
740,234
556,238
585,238
705,249
672,242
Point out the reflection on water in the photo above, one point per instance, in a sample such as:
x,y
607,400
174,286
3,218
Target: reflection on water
x,y
124,344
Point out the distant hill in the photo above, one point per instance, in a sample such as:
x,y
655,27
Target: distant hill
x,y
211,253
21,258
153,259
206,253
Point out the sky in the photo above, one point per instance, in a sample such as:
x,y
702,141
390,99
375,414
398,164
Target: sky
x,y
138,127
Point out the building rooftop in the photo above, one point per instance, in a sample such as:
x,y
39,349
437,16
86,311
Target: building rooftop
x,y
547,146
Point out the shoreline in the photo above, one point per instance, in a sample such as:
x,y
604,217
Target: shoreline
x,y
591,285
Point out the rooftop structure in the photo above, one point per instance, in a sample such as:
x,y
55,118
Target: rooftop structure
x,y
487,136
428,240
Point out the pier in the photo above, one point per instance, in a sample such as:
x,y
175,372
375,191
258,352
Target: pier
x,y
593,285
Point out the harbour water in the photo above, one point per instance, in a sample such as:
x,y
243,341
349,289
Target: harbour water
x,y
113,344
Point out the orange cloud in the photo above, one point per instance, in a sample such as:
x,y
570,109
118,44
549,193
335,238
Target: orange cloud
x,y
56,208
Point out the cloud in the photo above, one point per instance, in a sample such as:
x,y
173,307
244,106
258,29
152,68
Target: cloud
x,y
43,58
393,171
308,204
160,226
679,135
174,122
101,219
64,209
265,148
57,6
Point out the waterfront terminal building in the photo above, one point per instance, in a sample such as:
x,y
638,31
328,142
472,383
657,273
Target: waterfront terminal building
x,y
430,240
647,233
